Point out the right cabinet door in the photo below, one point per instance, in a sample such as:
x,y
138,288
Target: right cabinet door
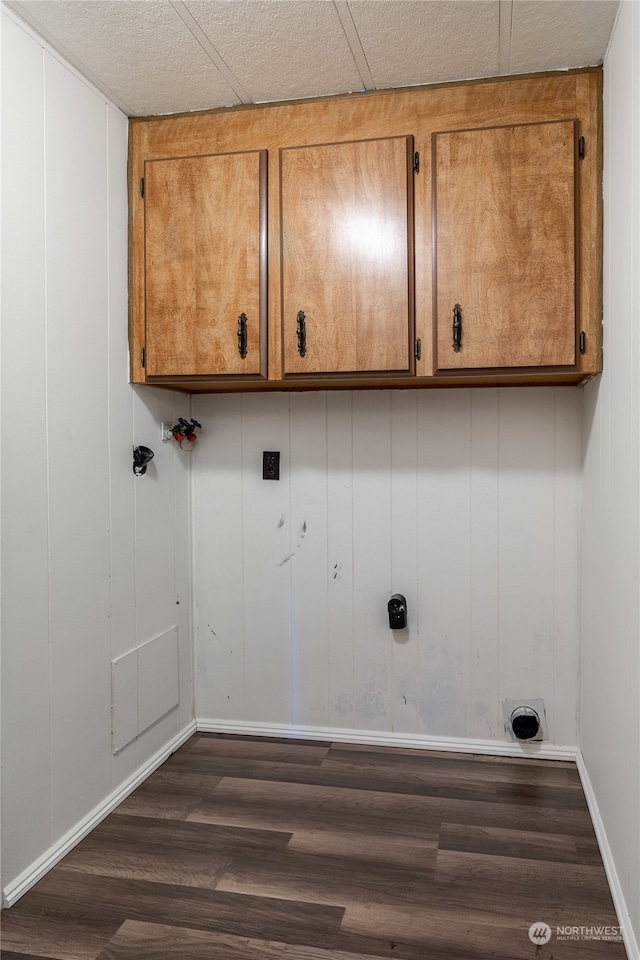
x,y
504,267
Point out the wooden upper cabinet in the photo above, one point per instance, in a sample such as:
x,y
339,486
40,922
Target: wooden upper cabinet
x,y
347,257
505,239
370,252
205,265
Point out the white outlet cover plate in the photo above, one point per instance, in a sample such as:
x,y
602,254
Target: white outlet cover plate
x,y
508,706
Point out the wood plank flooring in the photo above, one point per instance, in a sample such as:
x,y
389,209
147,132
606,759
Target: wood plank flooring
x,y
255,849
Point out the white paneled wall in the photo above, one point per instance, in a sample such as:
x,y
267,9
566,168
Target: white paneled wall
x,y
468,502
610,663
94,562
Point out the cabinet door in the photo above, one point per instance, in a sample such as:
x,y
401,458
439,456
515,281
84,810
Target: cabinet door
x,y
505,246
205,265
347,257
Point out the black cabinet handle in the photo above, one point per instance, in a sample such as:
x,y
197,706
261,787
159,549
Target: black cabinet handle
x,y
242,335
457,328
302,333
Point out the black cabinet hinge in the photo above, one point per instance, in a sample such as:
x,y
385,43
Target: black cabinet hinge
x,y
583,342
143,357
416,162
417,349
142,186
581,148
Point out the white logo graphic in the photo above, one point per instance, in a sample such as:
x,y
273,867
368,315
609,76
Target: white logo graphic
x,y
539,932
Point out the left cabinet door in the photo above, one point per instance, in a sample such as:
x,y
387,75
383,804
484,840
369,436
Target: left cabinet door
x,y
205,257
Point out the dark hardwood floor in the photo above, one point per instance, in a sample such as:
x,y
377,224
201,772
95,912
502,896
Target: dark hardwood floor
x,y
252,849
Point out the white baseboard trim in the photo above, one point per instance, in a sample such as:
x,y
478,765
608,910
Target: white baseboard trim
x,y
498,748
18,887
619,902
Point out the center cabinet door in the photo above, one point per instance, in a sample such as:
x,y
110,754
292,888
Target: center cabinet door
x,y
205,265
347,257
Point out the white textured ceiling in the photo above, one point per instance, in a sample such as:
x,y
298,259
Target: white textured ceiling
x,y
164,56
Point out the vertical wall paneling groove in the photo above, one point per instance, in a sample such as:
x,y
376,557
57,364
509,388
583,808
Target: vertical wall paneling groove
x,y
404,556
155,496
372,646
75,178
218,571
339,507
95,563
267,549
567,509
120,412
183,572
307,566
465,501
610,657
25,572
525,532
484,693
444,440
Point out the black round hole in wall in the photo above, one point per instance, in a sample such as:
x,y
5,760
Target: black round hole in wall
x,y
525,723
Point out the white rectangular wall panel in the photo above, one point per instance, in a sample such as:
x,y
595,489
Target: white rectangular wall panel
x,y
144,687
124,699
157,678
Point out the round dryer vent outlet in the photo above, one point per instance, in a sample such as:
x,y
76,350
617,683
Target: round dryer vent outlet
x,y
525,723
525,720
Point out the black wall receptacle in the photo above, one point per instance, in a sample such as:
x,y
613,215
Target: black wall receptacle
x,y
270,464
397,610
141,458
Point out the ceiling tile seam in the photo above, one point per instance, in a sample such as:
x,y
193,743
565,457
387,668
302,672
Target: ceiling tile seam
x,y
505,26
355,43
200,36
61,52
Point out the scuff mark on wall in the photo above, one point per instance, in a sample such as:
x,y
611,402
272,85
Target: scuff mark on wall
x,y
370,702
286,559
343,705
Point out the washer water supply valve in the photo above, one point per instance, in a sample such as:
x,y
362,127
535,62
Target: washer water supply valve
x,y
183,432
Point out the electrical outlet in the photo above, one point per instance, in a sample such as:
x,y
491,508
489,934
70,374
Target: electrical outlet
x,y
270,464
166,432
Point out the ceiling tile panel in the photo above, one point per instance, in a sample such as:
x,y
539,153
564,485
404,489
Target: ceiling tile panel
x,y
280,50
162,56
553,34
140,50
427,41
